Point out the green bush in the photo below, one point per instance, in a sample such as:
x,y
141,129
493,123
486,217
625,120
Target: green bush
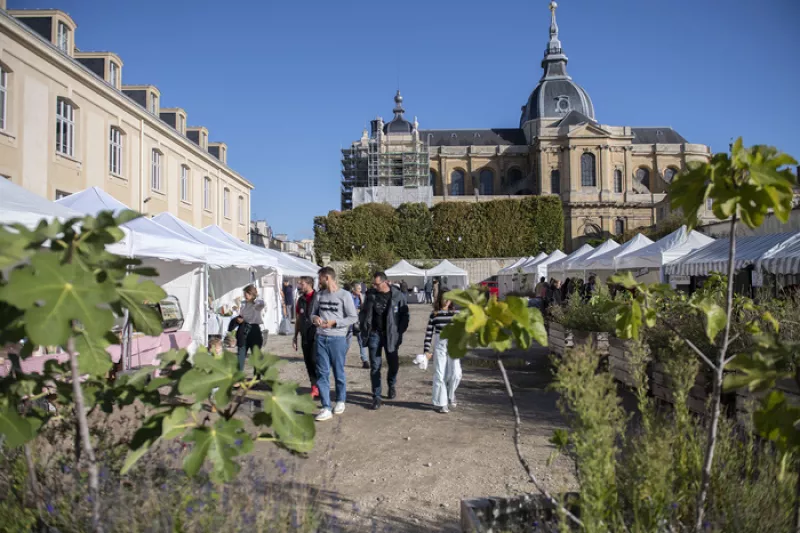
x,y
593,315
498,228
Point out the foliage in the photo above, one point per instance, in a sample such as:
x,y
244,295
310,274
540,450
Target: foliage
x,y
65,290
498,228
486,322
358,270
593,315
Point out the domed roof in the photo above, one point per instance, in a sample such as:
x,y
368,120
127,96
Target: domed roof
x,y
556,95
398,124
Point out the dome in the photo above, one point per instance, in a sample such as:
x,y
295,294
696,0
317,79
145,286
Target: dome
x,y
398,125
556,95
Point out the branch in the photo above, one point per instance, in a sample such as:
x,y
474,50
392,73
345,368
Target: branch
x,y
83,426
521,459
691,345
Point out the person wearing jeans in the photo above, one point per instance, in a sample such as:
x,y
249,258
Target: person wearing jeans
x,y
355,329
446,370
306,330
248,324
332,313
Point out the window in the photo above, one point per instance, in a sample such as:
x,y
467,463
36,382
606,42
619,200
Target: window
x,y
432,178
241,209
155,170
113,74
643,176
669,174
226,212
62,37
555,181
457,183
514,175
65,127
207,193
588,174
617,180
487,182
115,151
619,226
153,103
184,183
709,204
61,194
3,97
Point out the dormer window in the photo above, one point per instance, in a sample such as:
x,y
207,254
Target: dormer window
x,y
62,37
113,74
153,103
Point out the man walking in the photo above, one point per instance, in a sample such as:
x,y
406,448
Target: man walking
x,y
332,313
287,295
307,330
384,321
429,291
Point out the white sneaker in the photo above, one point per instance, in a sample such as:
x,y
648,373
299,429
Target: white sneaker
x,y
443,409
453,405
338,408
324,415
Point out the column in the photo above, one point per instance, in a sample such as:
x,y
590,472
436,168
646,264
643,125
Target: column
x,y
443,175
574,170
544,172
626,171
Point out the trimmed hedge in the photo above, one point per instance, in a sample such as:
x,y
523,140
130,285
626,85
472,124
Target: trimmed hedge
x,y
498,228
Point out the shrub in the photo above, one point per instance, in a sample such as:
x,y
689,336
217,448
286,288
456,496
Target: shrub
x,y
579,315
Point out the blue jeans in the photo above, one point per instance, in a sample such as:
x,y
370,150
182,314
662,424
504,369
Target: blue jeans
x,y
363,352
377,343
331,352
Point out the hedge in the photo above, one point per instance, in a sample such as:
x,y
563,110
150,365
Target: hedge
x,y
498,228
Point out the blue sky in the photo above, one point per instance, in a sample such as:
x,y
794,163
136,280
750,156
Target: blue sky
x,y
287,84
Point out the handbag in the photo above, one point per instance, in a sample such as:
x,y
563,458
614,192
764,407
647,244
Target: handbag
x,y
285,327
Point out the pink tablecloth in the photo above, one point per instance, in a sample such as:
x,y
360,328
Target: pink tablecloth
x,y
144,351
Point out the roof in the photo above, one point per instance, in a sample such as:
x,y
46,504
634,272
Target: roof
x,y
19,205
657,136
404,269
669,248
553,98
487,137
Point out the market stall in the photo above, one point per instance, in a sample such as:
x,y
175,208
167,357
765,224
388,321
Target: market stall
x,y
543,267
557,269
413,276
605,265
20,206
647,263
451,276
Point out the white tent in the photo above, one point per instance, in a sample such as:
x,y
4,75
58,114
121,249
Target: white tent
x,y
608,261
714,257
528,274
783,259
543,266
505,276
404,270
19,205
558,268
452,276
286,264
674,246
528,266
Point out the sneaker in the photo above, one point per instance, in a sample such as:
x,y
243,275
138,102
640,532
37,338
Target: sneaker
x,y
364,364
338,408
376,404
324,415
453,405
392,393
443,409
314,392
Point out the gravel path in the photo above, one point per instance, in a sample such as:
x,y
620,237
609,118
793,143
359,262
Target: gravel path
x,y
406,467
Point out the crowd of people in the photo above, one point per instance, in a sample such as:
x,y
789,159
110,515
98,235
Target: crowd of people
x,y
554,292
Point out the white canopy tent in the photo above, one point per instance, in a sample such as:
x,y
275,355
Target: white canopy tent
x,y
557,269
650,260
505,276
19,205
714,257
542,267
452,276
404,270
526,277
579,267
606,263
783,259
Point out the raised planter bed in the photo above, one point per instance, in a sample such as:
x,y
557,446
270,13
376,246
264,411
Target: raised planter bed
x,y
519,514
662,388
619,361
746,401
560,339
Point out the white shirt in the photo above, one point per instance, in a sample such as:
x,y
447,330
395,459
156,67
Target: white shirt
x,y
251,311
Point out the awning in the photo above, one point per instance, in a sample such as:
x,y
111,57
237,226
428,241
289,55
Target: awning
x,y
674,246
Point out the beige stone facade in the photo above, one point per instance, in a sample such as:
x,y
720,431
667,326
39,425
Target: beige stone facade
x,y
609,178
67,122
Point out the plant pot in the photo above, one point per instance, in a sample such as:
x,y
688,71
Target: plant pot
x,y
513,515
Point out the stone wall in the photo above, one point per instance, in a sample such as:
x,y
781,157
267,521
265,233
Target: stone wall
x,y
478,269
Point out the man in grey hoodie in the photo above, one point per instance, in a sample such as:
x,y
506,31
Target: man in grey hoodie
x,y
332,312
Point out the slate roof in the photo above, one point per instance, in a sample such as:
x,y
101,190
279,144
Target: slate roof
x,y
487,137
657,136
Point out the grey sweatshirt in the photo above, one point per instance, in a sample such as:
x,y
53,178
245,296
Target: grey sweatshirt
x,y
337,306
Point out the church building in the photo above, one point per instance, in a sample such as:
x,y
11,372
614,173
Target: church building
x,y
609,178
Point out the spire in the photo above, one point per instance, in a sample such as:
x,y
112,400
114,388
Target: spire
x,y
398,105
554,62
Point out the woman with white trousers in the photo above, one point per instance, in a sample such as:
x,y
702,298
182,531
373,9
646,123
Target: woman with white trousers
x,y
446,370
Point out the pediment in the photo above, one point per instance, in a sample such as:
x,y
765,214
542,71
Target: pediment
x,y
586,130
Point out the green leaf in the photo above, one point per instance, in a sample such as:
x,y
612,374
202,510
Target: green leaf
x,y
221,443
266,364
210,373
133,293
715,317
476,318
93,358
147,435
16,429
13,248
291,416
55,294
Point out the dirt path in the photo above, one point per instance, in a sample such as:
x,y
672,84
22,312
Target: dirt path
x,y
406,467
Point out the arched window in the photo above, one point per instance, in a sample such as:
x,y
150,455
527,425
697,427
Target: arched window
x,y
617,180
457,183
669,174
514,175
487,182
588,174
643,176
555,181
619,226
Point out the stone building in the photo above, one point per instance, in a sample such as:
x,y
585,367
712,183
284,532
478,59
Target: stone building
x,y
67,122
609,178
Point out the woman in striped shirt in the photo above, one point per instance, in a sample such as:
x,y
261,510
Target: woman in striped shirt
x,y
446,370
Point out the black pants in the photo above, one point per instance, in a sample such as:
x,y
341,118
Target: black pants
x,y
253,338
309,345
377,344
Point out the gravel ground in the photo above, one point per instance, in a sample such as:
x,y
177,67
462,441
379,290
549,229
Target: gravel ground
x,y
406,467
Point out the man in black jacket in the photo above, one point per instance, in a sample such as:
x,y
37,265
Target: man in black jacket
x,y
384,320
